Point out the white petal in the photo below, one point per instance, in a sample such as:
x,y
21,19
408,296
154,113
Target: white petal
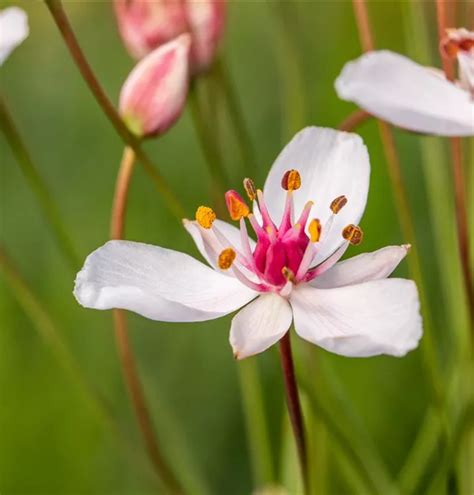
x,y
158,283
376,317
406,94
209,246
331,163
362,268
13,30
259,325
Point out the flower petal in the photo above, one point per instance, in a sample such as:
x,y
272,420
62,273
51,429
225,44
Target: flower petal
x,y
331,163
406,94
362,268
158,283
376,317
13,30
259,325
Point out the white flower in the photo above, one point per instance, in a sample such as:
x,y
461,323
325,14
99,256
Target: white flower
x,y
408,95
288,274
13,30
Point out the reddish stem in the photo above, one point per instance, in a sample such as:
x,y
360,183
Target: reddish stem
x,y
294,406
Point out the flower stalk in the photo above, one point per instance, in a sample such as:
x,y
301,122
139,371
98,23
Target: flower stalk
x,y
294,405
127,360
354,120
62,22
459,179
39,187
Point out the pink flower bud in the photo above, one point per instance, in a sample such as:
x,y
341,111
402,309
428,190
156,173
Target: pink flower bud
x,y
206,20
144,25
154,94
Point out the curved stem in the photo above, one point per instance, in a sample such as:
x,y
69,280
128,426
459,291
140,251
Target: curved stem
x,y
39,187
406,221
60,17
459,179
354,120
127,360
294,405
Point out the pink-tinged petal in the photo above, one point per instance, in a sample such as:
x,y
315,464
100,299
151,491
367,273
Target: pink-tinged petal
x,y
154,94
259,325
209,245
331,164
207,20
362,268
157,283
13,30
406,94
145,25
376,317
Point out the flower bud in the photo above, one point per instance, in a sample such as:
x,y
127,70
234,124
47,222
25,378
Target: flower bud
x,y
144,25
154,94
206,20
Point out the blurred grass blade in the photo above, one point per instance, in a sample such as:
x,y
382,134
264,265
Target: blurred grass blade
x,y
258,437
38,186
288,56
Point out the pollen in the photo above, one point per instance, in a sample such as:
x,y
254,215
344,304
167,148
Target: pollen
x,y
314,228
226,258
236,205
205,216
338,204
353,234
288,274
291,181
250,189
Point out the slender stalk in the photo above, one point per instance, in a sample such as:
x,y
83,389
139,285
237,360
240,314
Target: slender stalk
x,y
354,120
39,187
236,116
459,179
127,360
294,405
403,209
64,26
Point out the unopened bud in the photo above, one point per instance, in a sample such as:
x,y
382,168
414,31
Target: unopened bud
x,y
145,25
236,205
154,93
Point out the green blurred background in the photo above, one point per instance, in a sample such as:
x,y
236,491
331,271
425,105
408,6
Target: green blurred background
x,y
52,439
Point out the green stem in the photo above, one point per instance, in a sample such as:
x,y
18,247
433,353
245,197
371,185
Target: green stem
x,y
258,437
39,187
235,114
64,26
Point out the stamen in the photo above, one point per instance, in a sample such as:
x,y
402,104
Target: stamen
x,y
287,217
314,228
305,214
226,258
291,181
205,217
288,274
236,205
250,189
338,204
267,220
353,234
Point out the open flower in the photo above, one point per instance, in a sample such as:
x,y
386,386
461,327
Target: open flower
x,y
408,95
145,25
13,30
288,274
